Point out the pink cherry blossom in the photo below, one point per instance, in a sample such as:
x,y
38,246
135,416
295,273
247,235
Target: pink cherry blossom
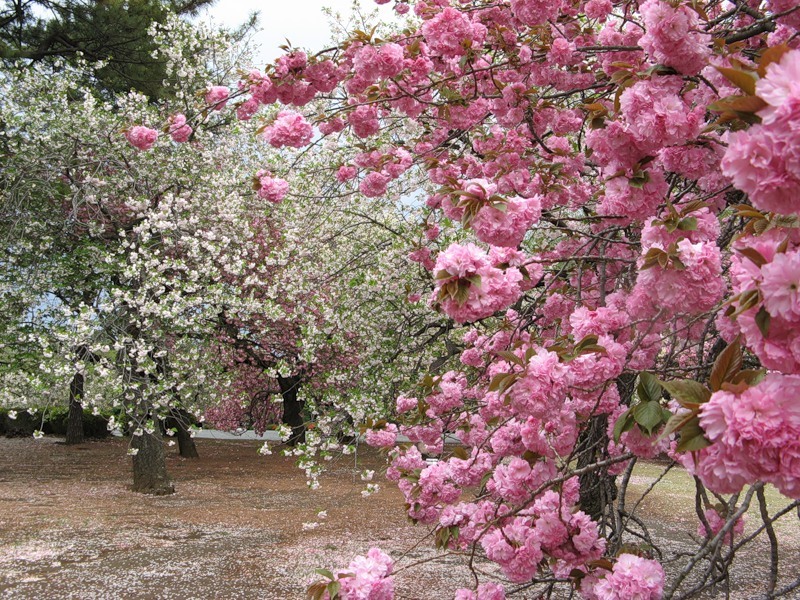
x,y
692,287
535,12
489,289
179,131
674,36
346,173
374,184
217,97
271,188
247,109
333,126
716,522
749,434
632,577
382,438
507,224
515,548
781,286
367,577
289,129
141,138
780,89
485,591
760,162
449,33
598,9
364,121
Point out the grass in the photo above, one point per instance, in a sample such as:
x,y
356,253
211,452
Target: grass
x,y
674,497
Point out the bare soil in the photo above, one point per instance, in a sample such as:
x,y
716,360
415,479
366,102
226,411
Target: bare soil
x,y
71,528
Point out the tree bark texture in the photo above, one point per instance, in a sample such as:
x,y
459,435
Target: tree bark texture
x,y
180,420
75,416
598,488
150,465
293,408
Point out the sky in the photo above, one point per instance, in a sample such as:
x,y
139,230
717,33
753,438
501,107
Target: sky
x,y
301,21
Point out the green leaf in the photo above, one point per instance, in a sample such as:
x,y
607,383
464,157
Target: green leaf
x,y
687,390
592,348
462,293
692,437
474,279
451,94
648,416
674,423
753,255
639,179
531,457
601,563
325,573
497,381
460,452
589,340
748,300
624,423
688,224
763,319
510,357
749,376
316,591
443,537
743,105
648,389
333,590
770,56
728,363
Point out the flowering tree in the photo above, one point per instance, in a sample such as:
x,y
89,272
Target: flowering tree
x,y
340,324
120,257
612,193
157,283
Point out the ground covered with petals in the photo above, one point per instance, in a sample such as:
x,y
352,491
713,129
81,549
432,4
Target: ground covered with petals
x,y
243,526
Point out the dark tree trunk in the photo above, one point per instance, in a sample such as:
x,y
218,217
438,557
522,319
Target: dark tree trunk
x,y
293,408
75,416
598,488
150,465
186,445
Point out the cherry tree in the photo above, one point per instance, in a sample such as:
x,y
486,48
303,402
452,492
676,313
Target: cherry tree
x,y
612,208
340,324
163,286
122,255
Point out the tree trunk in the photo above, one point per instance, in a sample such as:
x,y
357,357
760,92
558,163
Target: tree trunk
x,y
597,487
75,416
293,408
150,465
186,445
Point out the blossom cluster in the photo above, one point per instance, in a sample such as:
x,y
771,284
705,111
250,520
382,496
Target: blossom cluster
x,y
764,160
755,436
367,577
586,218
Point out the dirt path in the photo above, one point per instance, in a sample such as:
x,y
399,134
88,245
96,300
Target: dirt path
x,y
69,527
